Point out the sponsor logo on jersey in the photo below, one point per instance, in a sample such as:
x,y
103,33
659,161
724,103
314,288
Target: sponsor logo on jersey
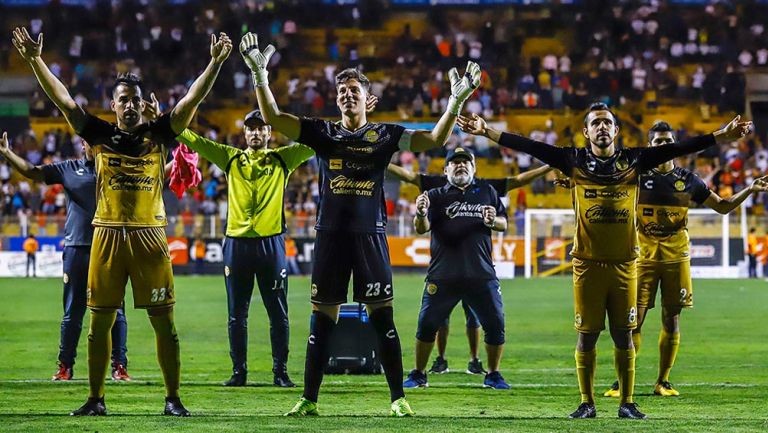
x,y
679,185
462,209
138,162
598,214
125,182
647,211
335,164
431,288
613,195
359,165
668,213
342,185
114,162
371,136
657,230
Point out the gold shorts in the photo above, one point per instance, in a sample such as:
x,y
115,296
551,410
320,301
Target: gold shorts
x,y
600,287
675,281
139,254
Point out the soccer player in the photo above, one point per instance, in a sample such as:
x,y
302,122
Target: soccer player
x,y
665,192
79,181
604,181
351,239
254,242
461,215
129,238
426,182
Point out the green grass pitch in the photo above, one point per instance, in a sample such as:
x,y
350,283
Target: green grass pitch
x,y
720,371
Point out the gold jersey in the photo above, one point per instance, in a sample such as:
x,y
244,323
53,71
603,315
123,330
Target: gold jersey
x,y
129,172
663,214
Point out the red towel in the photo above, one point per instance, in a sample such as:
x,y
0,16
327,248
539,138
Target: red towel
x,y
184,172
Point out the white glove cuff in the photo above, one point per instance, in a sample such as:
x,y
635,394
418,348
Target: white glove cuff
x,y
454,105
260,78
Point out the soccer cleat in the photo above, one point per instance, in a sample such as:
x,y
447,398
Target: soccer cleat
x,y
303,407
92,407
400,408
173,407
630,410
585,410
613,391
282,380
416,379
665,389
120,373
495,380
440,366
238,379
64,372
475,366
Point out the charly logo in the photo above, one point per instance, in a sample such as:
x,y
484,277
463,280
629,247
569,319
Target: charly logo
x,y
462,209
335,164
606,215
679,185
431,288
114,162
126,182
371,136
343,185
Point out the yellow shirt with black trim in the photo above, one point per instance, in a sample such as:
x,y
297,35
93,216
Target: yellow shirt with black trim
x,y
129,169
256,181
663,214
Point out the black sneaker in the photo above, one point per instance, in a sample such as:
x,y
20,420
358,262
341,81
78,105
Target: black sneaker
x,y
475,366
283,381
173,407
630,410
585,410
238,379
439,366
92,407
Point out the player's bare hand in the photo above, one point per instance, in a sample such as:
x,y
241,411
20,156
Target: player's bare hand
x,y
760,184
256,60
489,216
370,103
734,130
28,48
472,124
151,108
562,182
4,146
220,48
422,205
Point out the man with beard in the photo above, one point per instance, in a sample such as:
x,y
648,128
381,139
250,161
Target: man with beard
x,y
665,261
254,244
604,188
461,216
351,224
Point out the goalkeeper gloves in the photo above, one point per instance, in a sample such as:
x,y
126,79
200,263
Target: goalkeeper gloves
x,y
256,60
462,87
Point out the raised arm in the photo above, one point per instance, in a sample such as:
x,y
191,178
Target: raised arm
x,y
726,205
653,156
257,61
34,172
182,113
461,88
31,52
555,156
527,177
404,175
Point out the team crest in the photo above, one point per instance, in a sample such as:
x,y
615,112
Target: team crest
x,y
679,185
66,278
226,271
431,288
632,315
577,319
622,164
371,136
313,290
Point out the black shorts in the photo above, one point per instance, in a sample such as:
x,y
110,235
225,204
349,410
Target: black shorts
x,y
338,254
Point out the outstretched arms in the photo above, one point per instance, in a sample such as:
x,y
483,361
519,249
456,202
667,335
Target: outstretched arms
x,y
182,113
31,52
257,61
22,166
404,175
527,177
726,205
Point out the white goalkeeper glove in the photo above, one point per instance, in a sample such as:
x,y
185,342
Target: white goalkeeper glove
x,y
462,87
257,61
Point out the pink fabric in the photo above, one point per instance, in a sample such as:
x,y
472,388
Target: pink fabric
x,y
184,172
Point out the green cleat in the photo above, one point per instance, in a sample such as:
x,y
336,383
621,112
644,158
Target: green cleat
x,y
305,407
401,408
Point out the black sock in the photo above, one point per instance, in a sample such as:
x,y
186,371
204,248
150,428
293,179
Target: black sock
x,y
318,345
390,352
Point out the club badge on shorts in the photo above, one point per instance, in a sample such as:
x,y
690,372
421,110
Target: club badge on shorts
x,y
313,289
431,288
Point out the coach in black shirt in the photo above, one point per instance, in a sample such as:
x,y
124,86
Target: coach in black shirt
x,y
460,215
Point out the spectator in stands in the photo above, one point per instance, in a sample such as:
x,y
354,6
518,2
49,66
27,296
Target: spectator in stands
x,y
30,247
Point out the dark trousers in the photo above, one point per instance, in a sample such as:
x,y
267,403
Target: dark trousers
x,y
752,266
31,260
264,259
74,300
